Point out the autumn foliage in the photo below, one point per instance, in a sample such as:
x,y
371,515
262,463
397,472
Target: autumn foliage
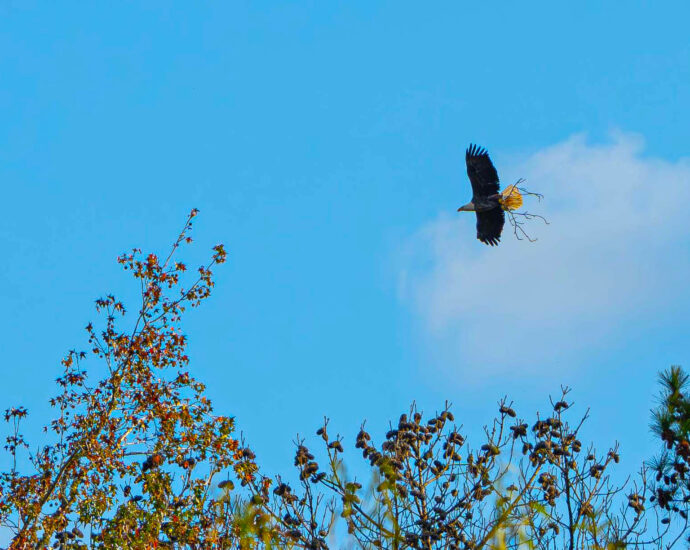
x,y
132,456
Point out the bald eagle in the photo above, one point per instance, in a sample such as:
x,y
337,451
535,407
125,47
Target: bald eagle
x,y
487,202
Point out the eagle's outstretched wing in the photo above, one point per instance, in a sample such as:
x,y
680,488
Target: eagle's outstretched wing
x,y
481,171
489,225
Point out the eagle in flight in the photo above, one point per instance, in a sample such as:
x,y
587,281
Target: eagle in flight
x,y
488,203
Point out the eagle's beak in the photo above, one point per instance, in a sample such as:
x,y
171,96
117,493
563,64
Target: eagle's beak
x,y
469,207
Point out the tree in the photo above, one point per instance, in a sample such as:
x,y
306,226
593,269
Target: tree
x,y
525,486
671,422
133,456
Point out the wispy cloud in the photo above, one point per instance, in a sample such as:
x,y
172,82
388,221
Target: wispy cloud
x,y
614,252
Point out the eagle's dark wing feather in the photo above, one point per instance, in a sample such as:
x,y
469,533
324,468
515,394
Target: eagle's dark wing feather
x,y
483,175
489,225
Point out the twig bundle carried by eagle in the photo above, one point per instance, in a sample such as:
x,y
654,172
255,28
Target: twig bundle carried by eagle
x,y
490,204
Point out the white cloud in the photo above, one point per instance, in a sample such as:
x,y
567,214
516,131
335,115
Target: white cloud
x,y
615,252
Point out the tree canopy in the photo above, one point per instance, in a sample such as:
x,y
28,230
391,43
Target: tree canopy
x,y
139,459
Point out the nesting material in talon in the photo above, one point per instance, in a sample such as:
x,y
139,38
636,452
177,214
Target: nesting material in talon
x,y
511,198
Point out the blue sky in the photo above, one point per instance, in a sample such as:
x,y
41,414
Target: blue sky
x,y
324,145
